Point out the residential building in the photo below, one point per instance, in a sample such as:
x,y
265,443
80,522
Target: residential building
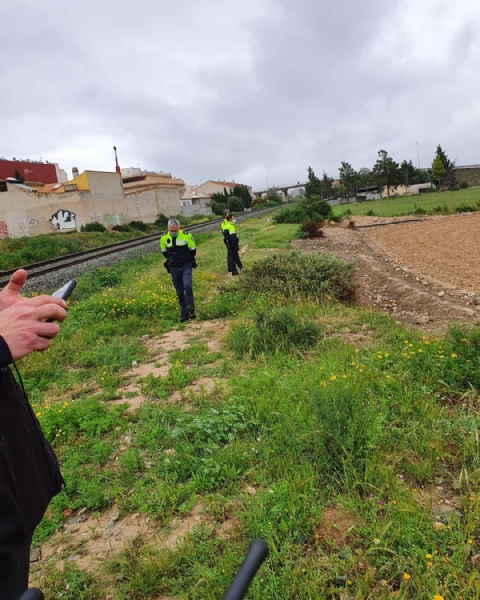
x,y
149,195
194,202
212,187
31,170
91,196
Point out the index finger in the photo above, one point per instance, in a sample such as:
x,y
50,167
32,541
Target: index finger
x,y
41,300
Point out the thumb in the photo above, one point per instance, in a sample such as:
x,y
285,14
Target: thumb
x,y
17,280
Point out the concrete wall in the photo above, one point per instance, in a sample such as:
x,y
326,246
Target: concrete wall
x,y
191,210
469,174
24,213
146,205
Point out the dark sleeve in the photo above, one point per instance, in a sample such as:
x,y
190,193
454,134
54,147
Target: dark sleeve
x,y
193,252
5,354
165,254
234,240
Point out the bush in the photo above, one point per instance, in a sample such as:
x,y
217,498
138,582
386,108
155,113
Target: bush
x,y
463,208
272,331
312,229
92,227
138,225
291,214
420,211
317,209
218,208
122,228
235,204
293,274
161,221
370,213
463,185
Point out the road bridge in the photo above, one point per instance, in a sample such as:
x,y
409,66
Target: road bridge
x,y
281,188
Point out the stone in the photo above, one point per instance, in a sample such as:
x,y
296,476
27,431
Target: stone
x,y
252,491
35,554
423,320
82,511
438,525
441,294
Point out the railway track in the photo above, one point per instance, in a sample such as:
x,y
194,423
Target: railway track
x,y
69,260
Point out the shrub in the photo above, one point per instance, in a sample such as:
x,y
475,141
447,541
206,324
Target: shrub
x,y
291,214
92,227
420,211
161,221
291,274
218,208
235,204
465,208
463,185
312,229
138,225
370,213
122,228
317,209
272,331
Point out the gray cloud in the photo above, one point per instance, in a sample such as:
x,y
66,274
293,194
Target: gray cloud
x,y
221,89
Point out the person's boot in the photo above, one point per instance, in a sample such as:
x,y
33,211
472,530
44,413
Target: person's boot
x,y
183,318
191,313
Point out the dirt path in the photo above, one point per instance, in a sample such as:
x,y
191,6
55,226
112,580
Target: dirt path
x,y
424,273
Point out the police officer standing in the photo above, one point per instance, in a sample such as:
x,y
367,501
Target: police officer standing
x,y
230,239
179,250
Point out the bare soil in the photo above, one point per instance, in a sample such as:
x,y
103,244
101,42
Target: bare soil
x,y
425,272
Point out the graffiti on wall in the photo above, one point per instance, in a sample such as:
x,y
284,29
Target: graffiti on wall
x,y
64,219
113,219
3,230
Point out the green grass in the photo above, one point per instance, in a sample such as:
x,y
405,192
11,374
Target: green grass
x,y
358,421
407,205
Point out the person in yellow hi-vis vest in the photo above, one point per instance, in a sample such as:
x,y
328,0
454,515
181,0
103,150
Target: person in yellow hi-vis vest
x,y
179,250
230,239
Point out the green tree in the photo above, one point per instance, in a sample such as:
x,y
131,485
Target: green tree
x,y
348,179
241,191
273,196
411,175
449,179
438,171
387,171
365,178
18,176
327,186
314,185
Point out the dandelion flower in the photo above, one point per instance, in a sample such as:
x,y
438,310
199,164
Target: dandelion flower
x,y
406,576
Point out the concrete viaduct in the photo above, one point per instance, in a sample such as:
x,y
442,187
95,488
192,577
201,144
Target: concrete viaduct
x,y
283,189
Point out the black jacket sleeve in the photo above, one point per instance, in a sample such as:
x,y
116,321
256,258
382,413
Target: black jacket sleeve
x,y
5,354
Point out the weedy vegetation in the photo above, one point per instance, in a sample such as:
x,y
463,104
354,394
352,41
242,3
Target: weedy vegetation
x,y
347,441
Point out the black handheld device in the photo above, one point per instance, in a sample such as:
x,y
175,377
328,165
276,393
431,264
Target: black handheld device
x,y
64,292
257,553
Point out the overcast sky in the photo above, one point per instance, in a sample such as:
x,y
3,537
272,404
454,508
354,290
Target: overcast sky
x,y
209,89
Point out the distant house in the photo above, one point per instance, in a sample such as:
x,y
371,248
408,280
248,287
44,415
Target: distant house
x,y
194,202
213,187
151,194
368,193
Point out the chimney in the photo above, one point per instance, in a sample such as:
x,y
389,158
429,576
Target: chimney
x,y
117,168
75,172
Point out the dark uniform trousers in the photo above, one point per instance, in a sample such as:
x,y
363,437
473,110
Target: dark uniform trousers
x,y
182,281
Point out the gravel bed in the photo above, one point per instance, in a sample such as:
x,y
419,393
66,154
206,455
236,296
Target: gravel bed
x,y
46,284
